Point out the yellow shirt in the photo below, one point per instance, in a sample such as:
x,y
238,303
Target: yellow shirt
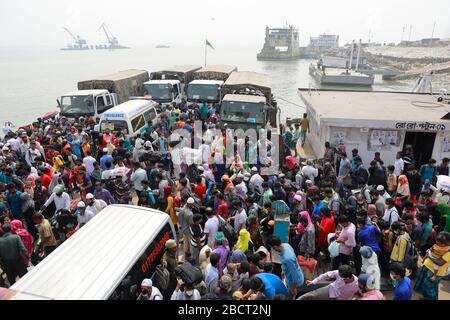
x,y
442,270
304,124
399,249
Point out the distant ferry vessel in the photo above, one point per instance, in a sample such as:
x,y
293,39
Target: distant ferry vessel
x,y
162,46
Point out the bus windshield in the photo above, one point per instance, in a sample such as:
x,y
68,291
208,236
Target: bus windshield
x,y
75,106
203,92
248,112
159,92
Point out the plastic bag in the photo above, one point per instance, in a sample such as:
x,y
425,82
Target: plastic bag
x,y
333,249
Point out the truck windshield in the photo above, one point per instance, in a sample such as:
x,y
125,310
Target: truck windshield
x,y
203,92
159,92
248,112
76,106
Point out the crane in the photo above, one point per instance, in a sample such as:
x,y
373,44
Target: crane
x,y
78,40
113,42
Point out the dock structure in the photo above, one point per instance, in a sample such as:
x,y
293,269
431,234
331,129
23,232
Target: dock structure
x,y
373,121
281,44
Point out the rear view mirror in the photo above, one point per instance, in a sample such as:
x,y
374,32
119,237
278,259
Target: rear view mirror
x,y
59,103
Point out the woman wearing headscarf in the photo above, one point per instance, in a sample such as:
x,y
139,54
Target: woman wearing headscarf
x,y
403,192
25,236
208,173
300,227
244,242
227,183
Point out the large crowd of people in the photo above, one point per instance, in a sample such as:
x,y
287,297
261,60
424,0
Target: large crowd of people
x,y
315,229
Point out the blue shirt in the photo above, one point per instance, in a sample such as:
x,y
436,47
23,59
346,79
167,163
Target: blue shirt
x,y
211,279
290,266
403,291
317,210
368,237
105,158
427,172
15,203
272,285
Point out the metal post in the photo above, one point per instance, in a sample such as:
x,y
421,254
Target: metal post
x,y
359,53
206,52
351,55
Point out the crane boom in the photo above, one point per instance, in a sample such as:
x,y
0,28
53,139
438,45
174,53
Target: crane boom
x,y
106,32
71,34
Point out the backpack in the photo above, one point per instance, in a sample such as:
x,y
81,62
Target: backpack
x,y
161,277
411,255
226,228
189,273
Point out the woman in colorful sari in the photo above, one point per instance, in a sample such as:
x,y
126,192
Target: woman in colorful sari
x,y
435,265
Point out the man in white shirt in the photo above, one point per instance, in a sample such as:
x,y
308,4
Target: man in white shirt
x,y
149,292
383,192
240,218
211,226
205,151
399,164
391,214
83,214
256,180
88,162
95,205
61,199
309,171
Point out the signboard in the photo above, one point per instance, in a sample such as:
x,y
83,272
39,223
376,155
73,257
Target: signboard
x,y
339,137
106,126
380,138
445,147
425,126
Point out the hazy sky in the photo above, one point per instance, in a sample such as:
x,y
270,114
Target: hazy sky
x,y
237,22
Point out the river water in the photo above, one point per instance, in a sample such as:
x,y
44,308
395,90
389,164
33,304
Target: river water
x,y
32,78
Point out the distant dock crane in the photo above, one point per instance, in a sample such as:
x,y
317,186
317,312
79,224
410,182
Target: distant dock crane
x,y
112,40
80,43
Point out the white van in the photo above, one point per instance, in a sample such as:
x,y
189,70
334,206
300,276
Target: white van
x,y
132,117
122,244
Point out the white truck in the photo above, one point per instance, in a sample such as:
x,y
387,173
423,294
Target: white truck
x,y
208,84
169,85
98,95
86,103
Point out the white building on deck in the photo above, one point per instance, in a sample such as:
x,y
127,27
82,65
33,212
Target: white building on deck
x,y
378,121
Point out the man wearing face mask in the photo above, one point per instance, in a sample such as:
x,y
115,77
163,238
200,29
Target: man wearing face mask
x,y
402,284
185,292
148,291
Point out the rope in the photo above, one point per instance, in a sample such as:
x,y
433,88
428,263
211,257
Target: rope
x,y
293,103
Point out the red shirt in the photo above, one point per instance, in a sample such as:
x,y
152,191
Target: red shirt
x,y
200,191
46,180
222,210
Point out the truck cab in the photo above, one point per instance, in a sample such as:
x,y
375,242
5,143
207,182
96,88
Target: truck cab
x,y
205,91
239,111
86,103
164,91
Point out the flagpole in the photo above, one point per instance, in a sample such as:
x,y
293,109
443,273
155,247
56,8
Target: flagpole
x,y
206,52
